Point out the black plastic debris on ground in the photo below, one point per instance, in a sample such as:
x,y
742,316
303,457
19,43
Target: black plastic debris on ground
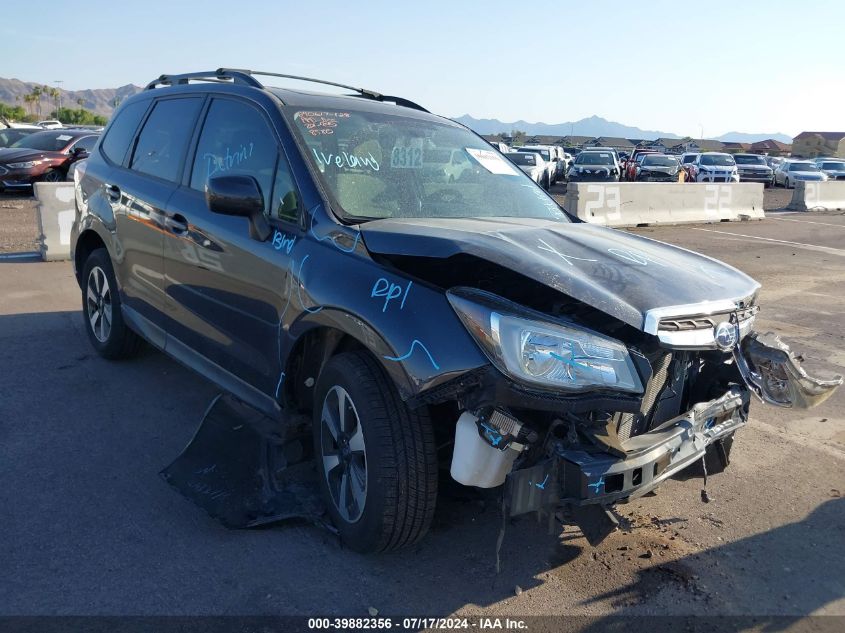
x,y
246,469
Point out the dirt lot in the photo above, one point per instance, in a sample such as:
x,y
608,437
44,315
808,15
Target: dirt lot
x,y
90,528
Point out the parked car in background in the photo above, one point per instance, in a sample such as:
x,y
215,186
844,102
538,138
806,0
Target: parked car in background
x,y
834,168
791,171
547,153
50,124
658,168
713,167
629,167
774,161
43,156
594,166
687,160
11,135
502,147
532,164
753,168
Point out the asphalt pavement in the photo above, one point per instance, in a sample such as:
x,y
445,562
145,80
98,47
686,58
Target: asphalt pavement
x,y
89,527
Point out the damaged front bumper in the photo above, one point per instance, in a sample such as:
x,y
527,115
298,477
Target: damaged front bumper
x,y
578,477
775,375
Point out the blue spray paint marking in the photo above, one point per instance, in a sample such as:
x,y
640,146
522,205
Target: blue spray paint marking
x,y
492,434
299,289
709,423
542,486
279,386
411,351
568,361
390,291
333,239
282,241
597,484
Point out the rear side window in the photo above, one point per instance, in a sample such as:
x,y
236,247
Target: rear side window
x,y
86,142
122,130
236,140
161,146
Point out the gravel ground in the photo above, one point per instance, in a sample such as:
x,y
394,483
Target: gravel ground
x,y
18,225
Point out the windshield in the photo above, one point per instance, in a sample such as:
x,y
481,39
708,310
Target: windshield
x,y
376,165
689,158
803,167
594,158
45,141
834,166
542,152
659,161
720,160
522,158
750,160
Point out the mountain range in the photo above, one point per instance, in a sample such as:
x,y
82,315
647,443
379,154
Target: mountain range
x,y
99,101
102,101
597,126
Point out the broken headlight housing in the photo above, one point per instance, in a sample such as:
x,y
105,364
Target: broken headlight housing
x,y
532,348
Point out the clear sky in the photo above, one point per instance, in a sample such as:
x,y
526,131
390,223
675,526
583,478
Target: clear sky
x,y
675,66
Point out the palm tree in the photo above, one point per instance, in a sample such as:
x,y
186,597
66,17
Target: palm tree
x,y
54,92
36,98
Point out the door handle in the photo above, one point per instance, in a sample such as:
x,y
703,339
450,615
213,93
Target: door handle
x,y
176,223
113,192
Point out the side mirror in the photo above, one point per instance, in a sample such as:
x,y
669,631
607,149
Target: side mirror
x,y
79,153
239,196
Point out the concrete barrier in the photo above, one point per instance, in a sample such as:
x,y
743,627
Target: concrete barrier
x,y
55,216
818,196
649,203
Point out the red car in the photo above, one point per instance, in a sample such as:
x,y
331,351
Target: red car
x,y
43,156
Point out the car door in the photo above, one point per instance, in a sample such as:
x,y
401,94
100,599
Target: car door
x,y
137,178
226,291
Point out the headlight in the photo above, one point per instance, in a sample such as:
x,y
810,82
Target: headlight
x,y
531,348
27,165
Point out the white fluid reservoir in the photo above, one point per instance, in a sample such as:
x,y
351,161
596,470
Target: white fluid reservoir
x,y
474,461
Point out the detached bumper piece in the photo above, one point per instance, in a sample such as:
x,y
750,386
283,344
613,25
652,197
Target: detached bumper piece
x,y
243,471
578,478
775,375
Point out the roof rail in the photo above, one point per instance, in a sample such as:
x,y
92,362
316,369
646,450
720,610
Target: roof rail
x,y
247,77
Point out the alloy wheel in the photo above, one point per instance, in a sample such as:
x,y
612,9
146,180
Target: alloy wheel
x,y
98,303
53,176
343,454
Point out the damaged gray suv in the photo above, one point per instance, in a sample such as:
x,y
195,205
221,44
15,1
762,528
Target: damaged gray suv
x,y
305,252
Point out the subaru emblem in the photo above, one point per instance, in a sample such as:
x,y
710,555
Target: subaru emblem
x,y
725,335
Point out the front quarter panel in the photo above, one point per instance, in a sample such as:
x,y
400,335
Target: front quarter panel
x,y
407,324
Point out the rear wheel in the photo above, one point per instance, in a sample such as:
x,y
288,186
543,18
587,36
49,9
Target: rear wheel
x,y
104,322
377,458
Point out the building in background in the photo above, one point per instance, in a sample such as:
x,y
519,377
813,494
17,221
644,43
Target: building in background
x,y
812,144
771,147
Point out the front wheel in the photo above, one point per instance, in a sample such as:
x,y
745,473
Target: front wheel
x,y
53,175
104,323
376,457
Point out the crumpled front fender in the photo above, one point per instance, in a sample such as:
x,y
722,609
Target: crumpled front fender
x,y
774,374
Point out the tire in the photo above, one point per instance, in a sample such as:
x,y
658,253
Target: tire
x,y
52,175
104,323
382,442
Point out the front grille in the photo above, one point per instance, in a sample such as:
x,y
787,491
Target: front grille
x,y
705,322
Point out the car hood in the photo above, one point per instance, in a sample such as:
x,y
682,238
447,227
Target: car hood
x,y
806,174
20,154
621,274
